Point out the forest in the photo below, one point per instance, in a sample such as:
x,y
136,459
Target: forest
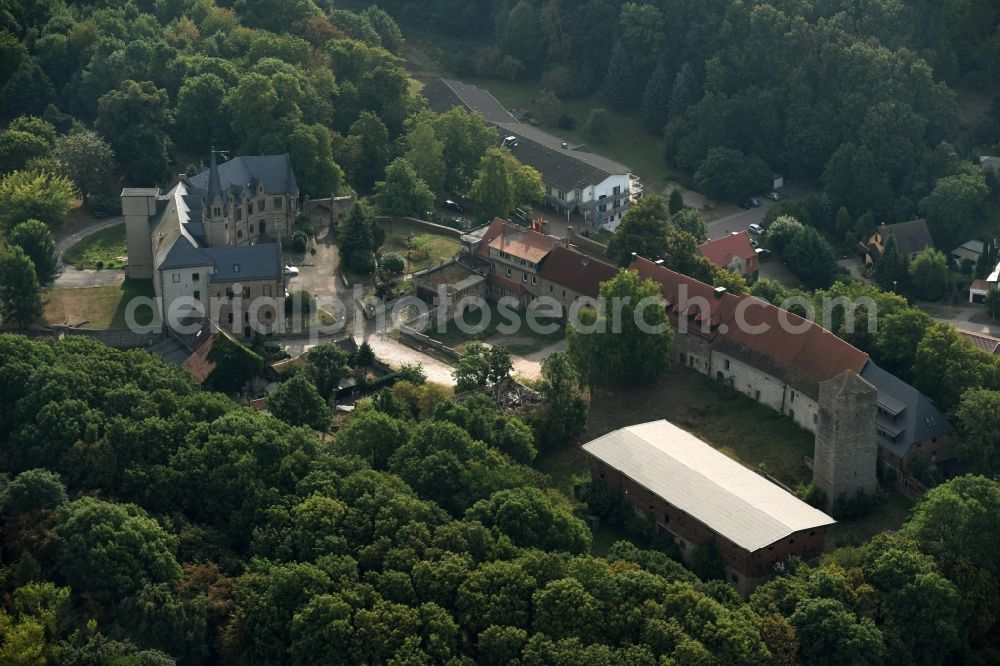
x,y
147,521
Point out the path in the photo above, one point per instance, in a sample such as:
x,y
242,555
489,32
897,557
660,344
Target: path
x,y
73,278
530,365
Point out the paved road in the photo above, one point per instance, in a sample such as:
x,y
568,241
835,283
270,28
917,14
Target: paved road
x,y
72,278
740,221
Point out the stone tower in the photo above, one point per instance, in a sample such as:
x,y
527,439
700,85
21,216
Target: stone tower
x,y
846,450
215,208
138,205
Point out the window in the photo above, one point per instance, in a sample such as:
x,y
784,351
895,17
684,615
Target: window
x,y
176,277
197,295
564,293
246,292
195,277
756,396
246,317
236,268
561,195
216,212
508,272
249,209
792,399
260,205
533,280
239,213
278,203
524,277
229,318
239,234
727,364
267,315
617,190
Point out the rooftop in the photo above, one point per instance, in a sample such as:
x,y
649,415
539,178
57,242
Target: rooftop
x,y
916,420
576,271
273,172
911,237
716,490
722,250
517,241
776,341
987,343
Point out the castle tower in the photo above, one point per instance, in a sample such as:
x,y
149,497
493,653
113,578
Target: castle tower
x,y
138,205
846,450
215,208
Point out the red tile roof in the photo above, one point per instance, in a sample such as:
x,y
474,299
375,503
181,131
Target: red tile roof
x,y
198,364
987,343
570,269
517,241
773,340
722,251
505,283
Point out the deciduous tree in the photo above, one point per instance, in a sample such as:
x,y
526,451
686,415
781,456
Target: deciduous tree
x,y
297,402
34,195
20,292
35,238
87,160
403,193
643,231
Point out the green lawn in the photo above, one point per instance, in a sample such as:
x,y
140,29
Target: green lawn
x,y
106,247
732,423
402,237
854,531
628,143
524,341
99,307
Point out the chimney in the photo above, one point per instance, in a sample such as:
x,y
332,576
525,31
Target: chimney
x,y
719,291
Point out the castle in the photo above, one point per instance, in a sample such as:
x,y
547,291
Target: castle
x,y
213,241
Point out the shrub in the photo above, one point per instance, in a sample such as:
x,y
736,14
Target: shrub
x,y
299,240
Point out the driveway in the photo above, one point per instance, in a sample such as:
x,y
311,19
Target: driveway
x,y
72,278
740,221
317,273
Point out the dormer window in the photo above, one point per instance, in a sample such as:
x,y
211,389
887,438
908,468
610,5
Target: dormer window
x,y
216,211
236,268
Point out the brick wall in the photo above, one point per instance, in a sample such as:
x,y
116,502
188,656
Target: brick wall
x,y
750,567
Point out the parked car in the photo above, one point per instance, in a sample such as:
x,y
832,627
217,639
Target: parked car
x,y
762,253
754,244
773,196
755,229
291,271
755,203
454,205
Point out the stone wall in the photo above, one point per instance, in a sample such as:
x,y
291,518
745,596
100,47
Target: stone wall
x,y
122,338
423,224
744,569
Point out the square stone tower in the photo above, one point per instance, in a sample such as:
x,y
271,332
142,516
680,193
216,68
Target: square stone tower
x,y
138,205
846,450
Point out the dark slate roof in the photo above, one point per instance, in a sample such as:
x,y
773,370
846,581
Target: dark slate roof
x,y
273,171
565,168
444,94
183,254
911,237
241,263
560,168
918,419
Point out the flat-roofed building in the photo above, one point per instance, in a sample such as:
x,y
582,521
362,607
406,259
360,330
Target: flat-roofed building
x,y
699,495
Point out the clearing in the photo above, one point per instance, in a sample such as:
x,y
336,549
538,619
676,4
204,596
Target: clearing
x,y
427,248
103,249
99,307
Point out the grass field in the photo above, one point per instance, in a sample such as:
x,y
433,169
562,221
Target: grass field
x,y
99,307
628,142
105,246
401,237
732,423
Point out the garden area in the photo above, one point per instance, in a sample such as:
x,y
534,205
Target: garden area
x,y
421,247
97,307
104,249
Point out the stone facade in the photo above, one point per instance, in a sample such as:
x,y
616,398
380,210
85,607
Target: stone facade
x,y
846,448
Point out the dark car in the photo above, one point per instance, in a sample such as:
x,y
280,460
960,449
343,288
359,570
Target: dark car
x,y
755,203
762,253
453,205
